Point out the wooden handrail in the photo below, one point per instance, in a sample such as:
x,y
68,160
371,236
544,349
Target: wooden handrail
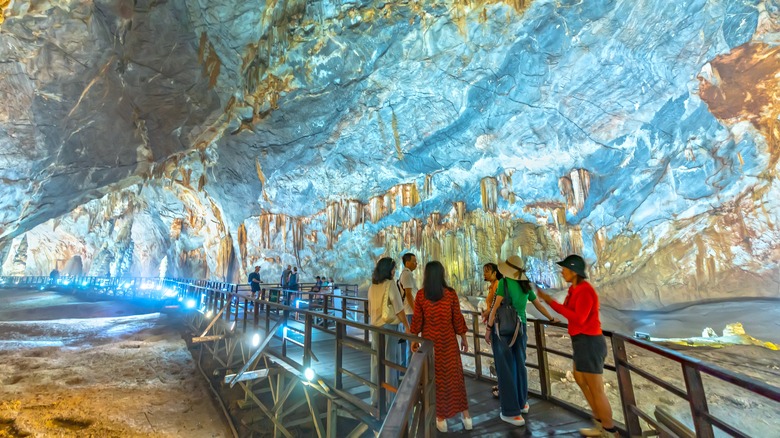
x,y
396,422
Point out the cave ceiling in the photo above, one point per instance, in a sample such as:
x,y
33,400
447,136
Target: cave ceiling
x,y
202,137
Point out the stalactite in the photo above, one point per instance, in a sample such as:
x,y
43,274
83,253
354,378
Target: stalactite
x,y
376,208
224,256
396,137
218,216
201,182
489,193
176,227
505,180
428,186
186,174
241,237
600,242
575,187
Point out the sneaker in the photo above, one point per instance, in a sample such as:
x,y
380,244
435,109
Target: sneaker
x,y
515,421
441,425
525,409
467,424
591,431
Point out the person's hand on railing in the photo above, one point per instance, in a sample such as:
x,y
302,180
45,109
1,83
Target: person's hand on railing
x,y
414,346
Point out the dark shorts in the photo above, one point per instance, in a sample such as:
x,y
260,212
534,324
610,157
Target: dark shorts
x,y
589,353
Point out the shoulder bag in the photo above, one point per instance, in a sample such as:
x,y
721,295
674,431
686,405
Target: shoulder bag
x,y
388,312
507,321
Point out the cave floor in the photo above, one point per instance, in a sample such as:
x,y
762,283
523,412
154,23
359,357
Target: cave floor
x,y
81,369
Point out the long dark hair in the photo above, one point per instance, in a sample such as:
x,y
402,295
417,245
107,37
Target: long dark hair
x,y
494,268
525,286
383,270
433,281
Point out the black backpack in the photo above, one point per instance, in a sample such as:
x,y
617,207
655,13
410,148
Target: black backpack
x,y
507,320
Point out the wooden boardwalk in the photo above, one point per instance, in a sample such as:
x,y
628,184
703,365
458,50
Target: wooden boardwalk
x,y
544,418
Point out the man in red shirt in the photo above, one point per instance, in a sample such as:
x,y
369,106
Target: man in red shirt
x,y
581,309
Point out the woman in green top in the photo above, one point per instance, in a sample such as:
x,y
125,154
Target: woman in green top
x,y
509,351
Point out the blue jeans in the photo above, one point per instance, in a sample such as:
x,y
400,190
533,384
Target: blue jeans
x,y
393,354
511,371
406,353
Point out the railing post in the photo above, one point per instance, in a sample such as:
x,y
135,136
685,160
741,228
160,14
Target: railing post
x,y
339,353
365,320
307,340
429,394
246,312
698,401
380,373
477,348
542,361
625,386
268,320
325,308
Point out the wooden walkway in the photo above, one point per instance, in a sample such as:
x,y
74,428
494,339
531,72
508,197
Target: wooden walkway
x,y
544,418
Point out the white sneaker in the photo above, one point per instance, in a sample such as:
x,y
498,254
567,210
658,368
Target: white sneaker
x,y
516,420
441,425
591,431
525,409
467,424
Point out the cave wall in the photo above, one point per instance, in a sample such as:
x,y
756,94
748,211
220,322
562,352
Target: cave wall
x,y
205,135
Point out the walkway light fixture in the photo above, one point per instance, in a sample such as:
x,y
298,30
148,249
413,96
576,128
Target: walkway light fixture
x,y
256,339
190,303
308,374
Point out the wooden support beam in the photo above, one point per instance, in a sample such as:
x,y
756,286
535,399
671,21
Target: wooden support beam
x,y
213,321
249,375
200,339
268,336
277,424
315,413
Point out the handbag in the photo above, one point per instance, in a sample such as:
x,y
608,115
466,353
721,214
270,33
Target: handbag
x,y
388,312
507,321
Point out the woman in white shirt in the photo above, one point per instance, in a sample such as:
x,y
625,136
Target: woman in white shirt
x,y
383,282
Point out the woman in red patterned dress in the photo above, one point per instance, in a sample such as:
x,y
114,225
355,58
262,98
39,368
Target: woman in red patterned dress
x,y
437,315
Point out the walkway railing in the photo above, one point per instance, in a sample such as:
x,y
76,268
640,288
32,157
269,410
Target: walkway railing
x,y
412,412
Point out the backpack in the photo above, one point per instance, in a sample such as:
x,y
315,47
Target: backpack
x,y
507,320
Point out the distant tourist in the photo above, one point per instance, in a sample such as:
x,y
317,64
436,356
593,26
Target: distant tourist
x,y
509,351
386,310
581,309
491,274
408,287
285,277
292,283
254,282
317,284
438,317
54,275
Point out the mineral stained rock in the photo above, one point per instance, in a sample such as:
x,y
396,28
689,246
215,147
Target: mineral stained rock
x,y
203,137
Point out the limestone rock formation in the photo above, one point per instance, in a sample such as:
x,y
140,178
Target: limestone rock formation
x,y
205,137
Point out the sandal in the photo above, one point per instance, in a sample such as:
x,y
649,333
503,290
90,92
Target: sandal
x,y
495,392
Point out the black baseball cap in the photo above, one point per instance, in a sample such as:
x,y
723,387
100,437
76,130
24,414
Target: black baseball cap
x,y
575,263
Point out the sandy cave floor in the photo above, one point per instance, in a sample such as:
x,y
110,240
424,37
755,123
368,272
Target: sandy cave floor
x,y
113,370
